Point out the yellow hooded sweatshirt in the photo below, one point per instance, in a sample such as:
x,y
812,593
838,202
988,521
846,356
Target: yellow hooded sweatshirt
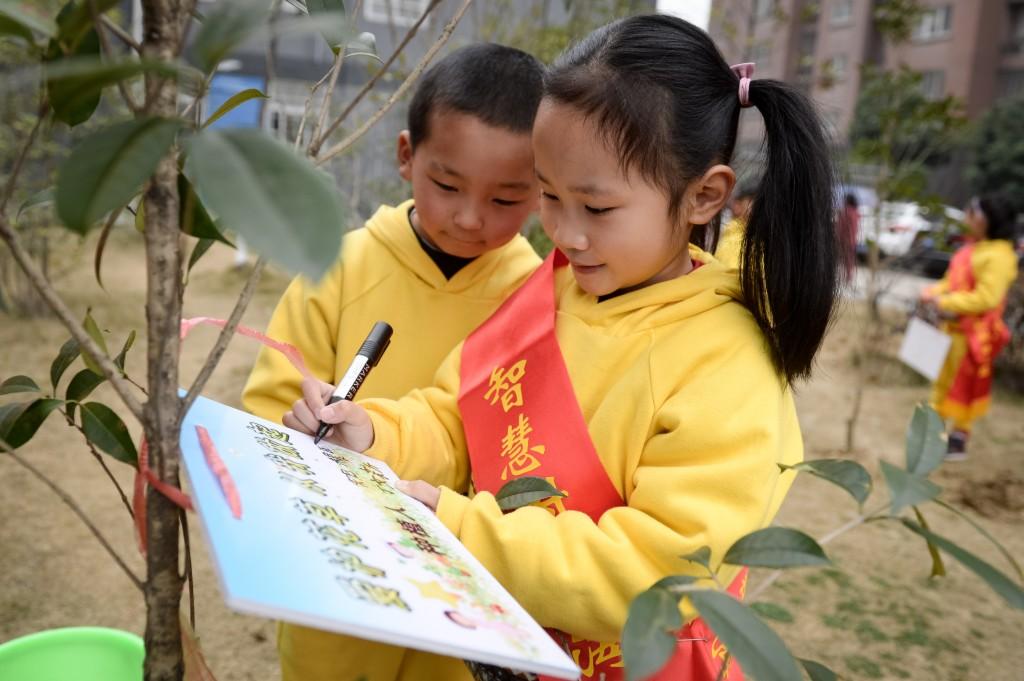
x,y
730,243
688,416
383,274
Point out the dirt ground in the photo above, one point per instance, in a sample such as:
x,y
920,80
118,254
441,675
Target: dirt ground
x,y
873,615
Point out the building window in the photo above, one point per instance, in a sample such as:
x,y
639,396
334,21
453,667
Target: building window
x,y
805,55
1011,83
935,23
933,84
842,12
760,53
395,12
836,67
764,8
1016,42
284,120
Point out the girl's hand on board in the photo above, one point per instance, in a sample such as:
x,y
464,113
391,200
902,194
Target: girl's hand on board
x,y
421,491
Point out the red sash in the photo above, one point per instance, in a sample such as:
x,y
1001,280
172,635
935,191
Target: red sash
x,y
986,335
521,417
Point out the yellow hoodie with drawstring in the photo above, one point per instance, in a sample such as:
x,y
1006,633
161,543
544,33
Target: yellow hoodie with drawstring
x,y
383,274
688,416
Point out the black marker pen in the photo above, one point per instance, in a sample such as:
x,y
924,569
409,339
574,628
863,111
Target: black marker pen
x,y
369,354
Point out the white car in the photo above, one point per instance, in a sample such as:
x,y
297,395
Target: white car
x,y
902,222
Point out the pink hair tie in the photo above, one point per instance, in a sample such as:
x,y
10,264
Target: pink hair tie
x,y
745,72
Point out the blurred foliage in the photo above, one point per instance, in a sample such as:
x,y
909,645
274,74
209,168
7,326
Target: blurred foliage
x,y
899,129
997,147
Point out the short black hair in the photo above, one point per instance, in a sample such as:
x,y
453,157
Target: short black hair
x,y
501,86
999,214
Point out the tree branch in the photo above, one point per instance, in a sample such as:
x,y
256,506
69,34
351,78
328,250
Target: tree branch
x,y
189,577
409,35
99,459
77,510
108,52
325,104
837,532
22,155
224,338
49,295
344,145
125,37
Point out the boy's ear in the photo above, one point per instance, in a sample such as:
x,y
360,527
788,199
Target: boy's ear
x,y
709,193
404,150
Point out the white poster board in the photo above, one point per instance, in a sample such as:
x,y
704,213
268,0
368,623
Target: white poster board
x,y
323,539
924,348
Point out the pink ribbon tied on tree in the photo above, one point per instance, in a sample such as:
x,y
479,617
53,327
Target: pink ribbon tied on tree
x,y
745,72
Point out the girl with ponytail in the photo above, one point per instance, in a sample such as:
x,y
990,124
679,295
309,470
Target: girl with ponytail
x,y
641,377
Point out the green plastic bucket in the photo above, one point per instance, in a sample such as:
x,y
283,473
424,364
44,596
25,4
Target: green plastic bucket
x,y
73,654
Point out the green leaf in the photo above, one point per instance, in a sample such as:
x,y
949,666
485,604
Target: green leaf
x,y
200,249
68,354
849,475
817,671
286,209
18,384
1010,591
776,547
754,645
772,611
18,430
363,45
72,98
701,556
906,489
674,582
97,336
107,432
333,22
9,413
75,20
983,532
524,491
234,101
128,343
199,224
38,199
225,27
106,169
84,382
926,444
938,567
649,637
16,20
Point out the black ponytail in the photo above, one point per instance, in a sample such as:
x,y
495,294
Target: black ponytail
x,y
788,269
669,103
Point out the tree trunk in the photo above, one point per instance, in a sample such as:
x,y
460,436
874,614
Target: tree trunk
x,y
163,22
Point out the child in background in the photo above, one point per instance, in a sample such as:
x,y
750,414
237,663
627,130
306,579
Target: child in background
x,y
973,294
633,370
433,267
730,245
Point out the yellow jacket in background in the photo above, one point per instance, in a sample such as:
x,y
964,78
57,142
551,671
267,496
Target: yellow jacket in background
x,y
994,266
383,274
730,244
688,415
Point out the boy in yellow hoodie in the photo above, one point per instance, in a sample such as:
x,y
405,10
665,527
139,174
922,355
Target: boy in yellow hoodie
x,y
636,373
433,267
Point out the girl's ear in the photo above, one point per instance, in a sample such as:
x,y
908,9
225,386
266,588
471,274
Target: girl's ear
x,y
709,193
